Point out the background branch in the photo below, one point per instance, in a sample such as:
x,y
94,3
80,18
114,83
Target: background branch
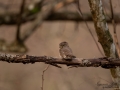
x,y
41,16
54,16
19,21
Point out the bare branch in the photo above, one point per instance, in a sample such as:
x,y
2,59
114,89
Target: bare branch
x,y
9,18
19,20
104,35
114,29
80,12
41,16
43,76
102,30
76,62
54,16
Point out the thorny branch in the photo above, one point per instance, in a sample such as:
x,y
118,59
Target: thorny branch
x,y
43,76
104,62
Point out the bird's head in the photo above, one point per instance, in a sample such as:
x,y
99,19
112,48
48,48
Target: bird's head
x,y
62,44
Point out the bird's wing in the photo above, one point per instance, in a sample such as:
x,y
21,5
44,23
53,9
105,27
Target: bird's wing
x,y
67,51
61,53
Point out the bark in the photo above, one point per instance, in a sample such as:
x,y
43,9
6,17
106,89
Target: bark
x,y
104,36
104,62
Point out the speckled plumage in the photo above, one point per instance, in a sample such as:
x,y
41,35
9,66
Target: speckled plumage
x,y
65,51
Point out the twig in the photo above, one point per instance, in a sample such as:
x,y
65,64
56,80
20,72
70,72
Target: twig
x,y
43,76
114,29
80,13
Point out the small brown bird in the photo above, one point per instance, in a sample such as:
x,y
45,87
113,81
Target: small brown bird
x,y
65,51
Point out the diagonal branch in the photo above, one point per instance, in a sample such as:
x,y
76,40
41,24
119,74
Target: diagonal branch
x,y
80,13
44,14
104,35
41,16
114,29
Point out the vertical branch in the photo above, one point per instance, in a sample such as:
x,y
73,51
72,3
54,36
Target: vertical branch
x,y
43,76
19,20
114,29
18,45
